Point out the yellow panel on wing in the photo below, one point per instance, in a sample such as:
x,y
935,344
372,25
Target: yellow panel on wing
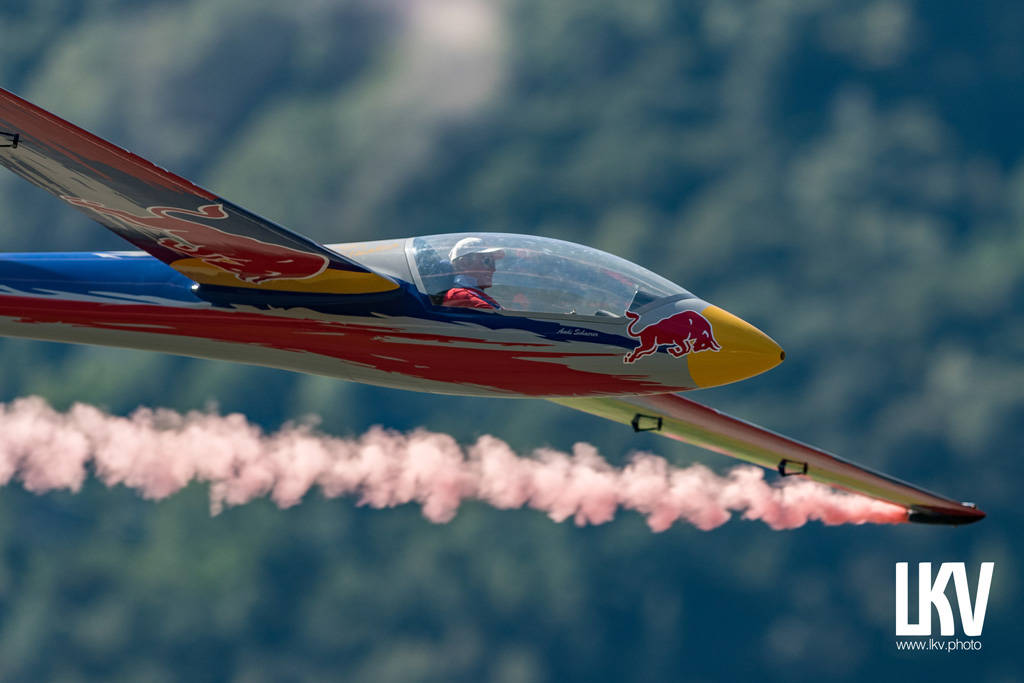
x,y
330,281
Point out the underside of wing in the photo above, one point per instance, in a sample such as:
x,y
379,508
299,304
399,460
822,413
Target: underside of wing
x,y
204,237
680,418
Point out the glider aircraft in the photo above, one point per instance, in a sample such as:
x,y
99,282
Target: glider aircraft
x,y
478,314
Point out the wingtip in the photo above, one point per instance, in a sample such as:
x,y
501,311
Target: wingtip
x,y
966,513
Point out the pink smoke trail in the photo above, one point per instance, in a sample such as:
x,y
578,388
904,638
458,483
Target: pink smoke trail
x,y
158,452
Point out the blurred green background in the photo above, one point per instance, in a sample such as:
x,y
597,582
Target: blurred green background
x,y
847,176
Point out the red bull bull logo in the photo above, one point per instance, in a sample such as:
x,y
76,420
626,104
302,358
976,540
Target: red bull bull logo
x,y
250,260
683,333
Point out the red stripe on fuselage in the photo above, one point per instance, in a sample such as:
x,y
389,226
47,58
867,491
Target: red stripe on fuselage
x,y
519,368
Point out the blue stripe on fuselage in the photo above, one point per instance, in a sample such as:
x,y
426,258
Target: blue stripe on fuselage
x,y
106,274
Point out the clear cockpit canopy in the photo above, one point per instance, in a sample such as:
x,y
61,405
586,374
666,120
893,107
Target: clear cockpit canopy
x,y
538,274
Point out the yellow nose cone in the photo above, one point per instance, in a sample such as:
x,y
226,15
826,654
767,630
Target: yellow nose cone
x,y
744,351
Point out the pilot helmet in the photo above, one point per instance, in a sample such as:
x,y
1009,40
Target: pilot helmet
x,y
469,246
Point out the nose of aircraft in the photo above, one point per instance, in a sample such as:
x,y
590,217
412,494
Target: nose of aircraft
x,y
745,351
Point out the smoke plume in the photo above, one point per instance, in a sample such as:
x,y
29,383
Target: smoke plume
x,y
158,452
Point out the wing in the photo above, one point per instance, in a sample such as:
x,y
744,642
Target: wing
x,y
206,238
684,420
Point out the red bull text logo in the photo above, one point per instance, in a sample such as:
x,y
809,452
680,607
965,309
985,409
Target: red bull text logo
x,y
683,333
249,259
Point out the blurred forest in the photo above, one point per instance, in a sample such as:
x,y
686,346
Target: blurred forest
x,y
847,176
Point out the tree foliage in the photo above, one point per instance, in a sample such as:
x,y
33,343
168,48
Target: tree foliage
x,y
848,177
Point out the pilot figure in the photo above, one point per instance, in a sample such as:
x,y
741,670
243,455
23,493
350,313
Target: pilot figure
x,y
473,264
